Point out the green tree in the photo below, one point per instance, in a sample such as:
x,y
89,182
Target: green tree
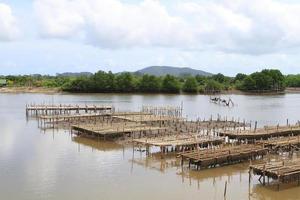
x,y
149,83
103,82
219,77
264,80
277,78
201,79
81,84
248,84
292,80
240,77
170,84
125,82
190,85
213,86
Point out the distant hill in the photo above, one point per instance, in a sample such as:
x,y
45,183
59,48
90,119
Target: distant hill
x,y
175,71
74,74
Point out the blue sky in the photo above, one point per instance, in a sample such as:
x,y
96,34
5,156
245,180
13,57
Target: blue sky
x,y
50,36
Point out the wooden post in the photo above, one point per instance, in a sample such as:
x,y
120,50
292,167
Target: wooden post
x,y
225,189
264,175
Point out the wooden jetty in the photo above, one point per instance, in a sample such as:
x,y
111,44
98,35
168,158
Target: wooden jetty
x,y
65,109
147,118
282,143
178,143
280,171
225,155
113,130
50,120
212,124
262,133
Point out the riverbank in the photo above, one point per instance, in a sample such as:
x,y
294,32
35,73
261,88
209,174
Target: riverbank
x,y
292,90
42,90
45,90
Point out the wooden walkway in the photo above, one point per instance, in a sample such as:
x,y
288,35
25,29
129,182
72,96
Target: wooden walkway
x,y
179,142
65,109
262,133
147,118
282,143
282,171
50,120
225,155
111,130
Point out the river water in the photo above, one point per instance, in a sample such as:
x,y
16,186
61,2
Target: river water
x,y
36,164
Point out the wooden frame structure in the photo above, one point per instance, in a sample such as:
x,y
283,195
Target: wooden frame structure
x,y
225,155
262,133
44,109
282,171
178,143
111,130
282,143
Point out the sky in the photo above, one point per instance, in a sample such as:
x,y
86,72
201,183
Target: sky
x,y
218,36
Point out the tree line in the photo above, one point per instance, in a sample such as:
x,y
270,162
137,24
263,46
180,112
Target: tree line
x,y
108,82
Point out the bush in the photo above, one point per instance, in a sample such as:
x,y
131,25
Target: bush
x,y
190,85
170,84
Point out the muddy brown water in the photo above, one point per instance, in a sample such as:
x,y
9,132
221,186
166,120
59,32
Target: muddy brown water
x,y
52,165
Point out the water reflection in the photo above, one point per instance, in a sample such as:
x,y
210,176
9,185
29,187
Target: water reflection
x,y
96,144
51,164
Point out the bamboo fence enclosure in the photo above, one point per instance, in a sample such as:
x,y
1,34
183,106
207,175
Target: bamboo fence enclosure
x,y
147,118
282,143
175,111
203,143
224,155
262,133
178,143
69,119
44,109
280,171
110,130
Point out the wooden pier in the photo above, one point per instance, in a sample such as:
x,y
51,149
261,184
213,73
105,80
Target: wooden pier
x,y
42,109
262,133
51,120
178,143
280,171
225,155
112,130
146,118
282,143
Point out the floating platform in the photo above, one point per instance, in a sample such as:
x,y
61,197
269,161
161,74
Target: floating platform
x,y
180,142
45,120
282,172
147,118
262,133
112,130
282,143
225,155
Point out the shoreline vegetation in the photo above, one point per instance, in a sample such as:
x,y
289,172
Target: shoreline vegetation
x,y
268,81
47,90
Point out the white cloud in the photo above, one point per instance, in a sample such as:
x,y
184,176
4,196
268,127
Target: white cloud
x,y
248,27
59,18
8,25
110,23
